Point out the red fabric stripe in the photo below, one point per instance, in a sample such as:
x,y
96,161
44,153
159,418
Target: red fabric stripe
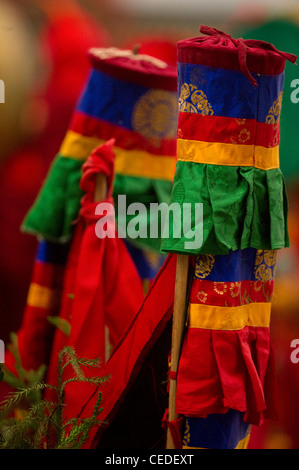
x,y
47,275
227,130
219,370
230,294
124,138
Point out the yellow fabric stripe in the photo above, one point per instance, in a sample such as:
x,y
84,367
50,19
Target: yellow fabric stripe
x,y
135,162
243,444
215,153
40,296
229,318
77,146
143,164
187,447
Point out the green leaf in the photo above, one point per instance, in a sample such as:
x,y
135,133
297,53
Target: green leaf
x,y
61,324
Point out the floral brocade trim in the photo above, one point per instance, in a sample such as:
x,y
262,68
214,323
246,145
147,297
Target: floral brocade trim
x,y
273,116
155,115
203,266
263,268
193,100
229,130
186,437
265,265
230,294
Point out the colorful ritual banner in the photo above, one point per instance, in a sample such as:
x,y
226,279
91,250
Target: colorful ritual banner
x,y
227,360
230,96
133,99
283,32
36,333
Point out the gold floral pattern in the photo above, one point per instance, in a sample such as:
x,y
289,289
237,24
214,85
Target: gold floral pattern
x,y
265,264
235,289
240,122
270,257
155,115
192,100
186,438
257,285
220,287
264,273
273,115
203,266
243,135
259,257
202,296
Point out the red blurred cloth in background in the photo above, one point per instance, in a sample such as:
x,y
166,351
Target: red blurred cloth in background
x,y
64,43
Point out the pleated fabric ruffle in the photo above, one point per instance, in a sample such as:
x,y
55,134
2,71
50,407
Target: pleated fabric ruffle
x,y
222,370
242,207
227,360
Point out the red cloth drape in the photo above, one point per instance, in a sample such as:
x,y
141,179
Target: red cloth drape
x,y
102,286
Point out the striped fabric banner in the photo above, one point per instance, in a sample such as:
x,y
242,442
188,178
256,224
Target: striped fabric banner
x,y
201,87
228,137
231,305
142,120
240,129
35,334
226,361
132,162
47,278
217,431
133,102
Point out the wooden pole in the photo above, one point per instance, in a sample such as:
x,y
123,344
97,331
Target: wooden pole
x,y
100,193
178,324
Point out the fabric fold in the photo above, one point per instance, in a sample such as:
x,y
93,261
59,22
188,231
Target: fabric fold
x,y
227,361
98,292
242,207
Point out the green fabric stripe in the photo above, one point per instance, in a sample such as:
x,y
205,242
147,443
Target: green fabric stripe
x,y
58,202
242,207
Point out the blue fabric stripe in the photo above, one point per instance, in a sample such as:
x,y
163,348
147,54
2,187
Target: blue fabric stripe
x,y
216,431
145,269
269,89
110,99
230,93
237,266
54,253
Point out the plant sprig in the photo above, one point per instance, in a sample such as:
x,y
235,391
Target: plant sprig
x,y
43,425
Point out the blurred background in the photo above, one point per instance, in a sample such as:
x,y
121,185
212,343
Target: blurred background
x,y
43,64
